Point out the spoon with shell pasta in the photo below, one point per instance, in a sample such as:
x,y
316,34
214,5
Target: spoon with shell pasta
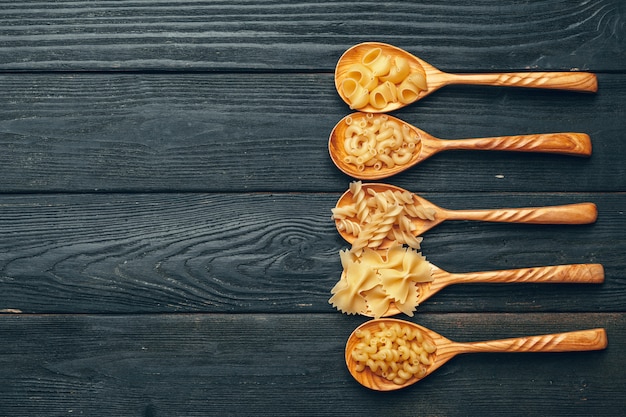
x,y
379,78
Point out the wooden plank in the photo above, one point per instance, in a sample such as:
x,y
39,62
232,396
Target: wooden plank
x,y
198,365
277,35
125,253
260,132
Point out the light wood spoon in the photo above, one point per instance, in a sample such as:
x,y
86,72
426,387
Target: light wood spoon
x,y
582,340
557,274
577,144
435,78
579,213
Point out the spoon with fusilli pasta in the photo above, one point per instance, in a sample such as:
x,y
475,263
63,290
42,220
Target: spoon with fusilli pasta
x,y
375,215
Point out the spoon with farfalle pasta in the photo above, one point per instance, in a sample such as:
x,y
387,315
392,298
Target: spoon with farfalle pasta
x,y
379,78
384,283
374,146
375,215
390,354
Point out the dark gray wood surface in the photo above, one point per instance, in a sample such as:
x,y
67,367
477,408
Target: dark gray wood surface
x,y
166,247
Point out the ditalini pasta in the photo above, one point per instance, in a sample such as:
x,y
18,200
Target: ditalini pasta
x,y
375,216
375,141
380,79
373,280
396,352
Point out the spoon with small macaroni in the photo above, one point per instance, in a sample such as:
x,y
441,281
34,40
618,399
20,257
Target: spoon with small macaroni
x,y
557,274
363,69
445,349
578,213
374,146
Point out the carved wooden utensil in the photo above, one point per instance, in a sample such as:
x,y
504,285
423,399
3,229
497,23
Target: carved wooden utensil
x,y
558,274
579,213
583,340
578,144
435,78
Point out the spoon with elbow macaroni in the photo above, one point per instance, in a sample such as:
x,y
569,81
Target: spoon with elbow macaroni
x,y
377,77
374,146
390,354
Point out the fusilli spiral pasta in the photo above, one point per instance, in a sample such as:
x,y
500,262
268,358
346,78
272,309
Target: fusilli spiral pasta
x,y
381,215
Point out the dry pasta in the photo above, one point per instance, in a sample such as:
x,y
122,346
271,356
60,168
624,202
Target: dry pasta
x,y
377,141
380,79
378,213
371,281
396,352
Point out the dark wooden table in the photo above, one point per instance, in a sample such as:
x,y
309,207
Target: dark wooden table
x,y
166,247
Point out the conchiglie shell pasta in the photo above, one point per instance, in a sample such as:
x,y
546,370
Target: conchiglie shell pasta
x,y
398,71
383,94
411,87
356,93
377,61
372,69
363,75
407,92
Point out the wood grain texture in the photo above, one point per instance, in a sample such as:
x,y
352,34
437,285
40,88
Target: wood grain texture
x,y
224,132
306,36
166,247
204,364
277,253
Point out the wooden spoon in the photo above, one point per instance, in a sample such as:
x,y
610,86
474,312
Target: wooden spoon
x,y
580,213
435,79
557,274
582,340
578,144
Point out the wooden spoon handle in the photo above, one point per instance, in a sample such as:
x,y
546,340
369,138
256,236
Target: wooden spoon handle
x,y
593,339
572,81
558,274
580,213
561,143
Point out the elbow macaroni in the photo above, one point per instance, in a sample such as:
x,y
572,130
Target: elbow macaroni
x,y
380,79
377,141
398,352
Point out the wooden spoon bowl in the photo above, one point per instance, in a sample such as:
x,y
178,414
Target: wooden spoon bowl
x,y
346,151
583,340
435,79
